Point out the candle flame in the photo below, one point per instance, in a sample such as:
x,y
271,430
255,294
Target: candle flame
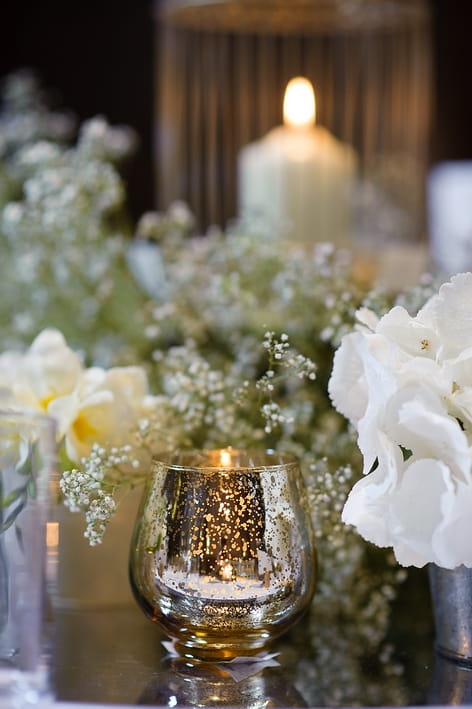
x,y
225,459
226,572
299,103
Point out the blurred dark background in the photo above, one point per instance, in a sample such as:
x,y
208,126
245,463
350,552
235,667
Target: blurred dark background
x,y
100,58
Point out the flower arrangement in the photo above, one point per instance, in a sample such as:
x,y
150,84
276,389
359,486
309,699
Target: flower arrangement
x,y
404,383
170,340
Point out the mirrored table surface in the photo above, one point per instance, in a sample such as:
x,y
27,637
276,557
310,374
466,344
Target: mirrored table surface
x,y
115,655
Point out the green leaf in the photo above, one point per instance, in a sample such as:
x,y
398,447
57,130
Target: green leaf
x,y
25,469
13,496
7,523
31,488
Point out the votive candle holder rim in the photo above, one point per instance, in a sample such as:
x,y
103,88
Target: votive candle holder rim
x,y
201,461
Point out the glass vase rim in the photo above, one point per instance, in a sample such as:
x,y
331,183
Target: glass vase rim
x,y
36,418
275,460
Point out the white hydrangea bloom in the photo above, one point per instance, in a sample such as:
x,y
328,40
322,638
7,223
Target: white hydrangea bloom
x,y
405,383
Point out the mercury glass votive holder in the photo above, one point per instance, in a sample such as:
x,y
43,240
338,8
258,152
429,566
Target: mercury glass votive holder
x,y
223,557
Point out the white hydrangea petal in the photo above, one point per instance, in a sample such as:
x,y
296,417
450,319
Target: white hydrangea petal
x,y
366,508
461,405
364,372
425,399
408,333
453,314
451,540
347,387
459,369
381,384
432,434
367,317
427,314
415,511
428,374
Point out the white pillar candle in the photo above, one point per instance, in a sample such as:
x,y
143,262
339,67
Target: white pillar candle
x,y
299,177
450,216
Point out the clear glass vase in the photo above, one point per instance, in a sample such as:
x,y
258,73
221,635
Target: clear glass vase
x,y
223,558
28,556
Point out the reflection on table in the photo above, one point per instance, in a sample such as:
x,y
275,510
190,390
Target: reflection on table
x,y
115,655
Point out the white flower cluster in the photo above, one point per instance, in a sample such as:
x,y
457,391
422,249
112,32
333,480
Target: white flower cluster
x,y
207,400
178,221
97,414
63,233
279,352
406,384
91,489
25,116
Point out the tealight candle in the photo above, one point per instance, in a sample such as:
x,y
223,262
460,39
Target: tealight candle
x,y
299,176
223,555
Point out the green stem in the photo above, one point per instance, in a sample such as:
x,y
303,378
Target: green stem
x,y
4,600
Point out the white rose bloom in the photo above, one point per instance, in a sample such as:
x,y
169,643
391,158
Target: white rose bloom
x,y
405,383
102,409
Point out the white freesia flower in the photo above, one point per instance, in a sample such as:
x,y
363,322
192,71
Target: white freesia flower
x,y
102,409
405,383
50,368
90,406
9,367
47,370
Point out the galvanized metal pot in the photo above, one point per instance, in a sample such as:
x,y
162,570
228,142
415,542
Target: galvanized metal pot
x,y
451,596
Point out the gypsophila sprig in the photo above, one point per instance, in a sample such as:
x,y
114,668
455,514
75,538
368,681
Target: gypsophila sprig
x,y
284,363
25,119
91,488
64,232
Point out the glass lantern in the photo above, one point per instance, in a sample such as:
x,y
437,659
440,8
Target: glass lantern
x,y
221,72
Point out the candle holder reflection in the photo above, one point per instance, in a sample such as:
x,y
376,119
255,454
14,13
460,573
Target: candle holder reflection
x,y
223,556
205,685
